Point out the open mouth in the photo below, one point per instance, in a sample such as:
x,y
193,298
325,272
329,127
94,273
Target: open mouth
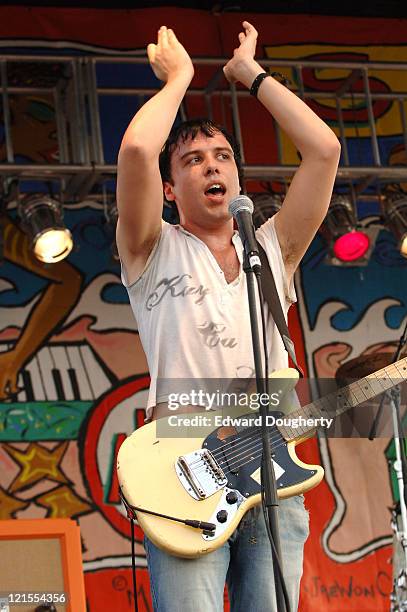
x,y
216,191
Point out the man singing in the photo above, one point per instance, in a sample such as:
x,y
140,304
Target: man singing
x,y
188,291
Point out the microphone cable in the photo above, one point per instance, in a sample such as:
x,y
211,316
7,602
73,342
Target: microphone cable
x,y
133,564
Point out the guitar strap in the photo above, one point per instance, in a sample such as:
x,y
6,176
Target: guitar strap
x,y
271,296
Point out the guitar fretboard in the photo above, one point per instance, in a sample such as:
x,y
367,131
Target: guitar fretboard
x,y
336,403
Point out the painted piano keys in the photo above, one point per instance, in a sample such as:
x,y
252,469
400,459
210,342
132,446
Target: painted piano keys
x,y
64,372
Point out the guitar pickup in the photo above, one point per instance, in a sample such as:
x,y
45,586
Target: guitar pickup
x,y
200,474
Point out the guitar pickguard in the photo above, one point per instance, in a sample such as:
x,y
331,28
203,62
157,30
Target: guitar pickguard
x,y
239,456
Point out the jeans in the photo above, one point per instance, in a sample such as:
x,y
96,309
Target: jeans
x,y
243,562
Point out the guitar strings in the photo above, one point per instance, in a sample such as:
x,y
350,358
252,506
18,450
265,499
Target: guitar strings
x,y
245,445
254,454
316,411
283,441
241,448
302,410
234,452
326,400
251,443
242,438
236,443
257,444
254,443
253,437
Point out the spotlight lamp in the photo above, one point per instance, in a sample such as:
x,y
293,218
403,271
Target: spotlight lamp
x,y
395,213
347,243
265,206
112,215
42,220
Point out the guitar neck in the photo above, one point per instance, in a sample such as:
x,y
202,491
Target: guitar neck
x,y
336,403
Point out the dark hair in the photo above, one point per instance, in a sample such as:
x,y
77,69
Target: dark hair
x,y
189,129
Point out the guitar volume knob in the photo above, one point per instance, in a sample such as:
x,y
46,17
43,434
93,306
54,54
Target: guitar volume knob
x,y
222,516
231,497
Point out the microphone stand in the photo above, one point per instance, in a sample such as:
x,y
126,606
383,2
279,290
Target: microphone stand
x,y
396,357
269,479
400,467
398,597
398,428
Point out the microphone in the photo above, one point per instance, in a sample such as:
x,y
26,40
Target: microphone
x,y
241,209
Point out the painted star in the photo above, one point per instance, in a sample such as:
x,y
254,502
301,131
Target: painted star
x,y
9,505
62,502
37,463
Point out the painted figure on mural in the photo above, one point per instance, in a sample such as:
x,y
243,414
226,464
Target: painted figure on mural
x,y
49,311
33,134
198,165
32,116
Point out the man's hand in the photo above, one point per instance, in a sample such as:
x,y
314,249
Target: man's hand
x,y
168,58
238,67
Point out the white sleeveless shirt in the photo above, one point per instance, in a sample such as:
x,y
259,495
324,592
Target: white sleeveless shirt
x,y
192,323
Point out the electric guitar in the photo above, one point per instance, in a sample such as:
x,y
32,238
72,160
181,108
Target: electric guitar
x,y
213,479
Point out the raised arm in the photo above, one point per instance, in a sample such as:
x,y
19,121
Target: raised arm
x,y
309,194
139,185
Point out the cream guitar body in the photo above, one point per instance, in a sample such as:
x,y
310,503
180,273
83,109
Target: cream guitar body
x,y
214,478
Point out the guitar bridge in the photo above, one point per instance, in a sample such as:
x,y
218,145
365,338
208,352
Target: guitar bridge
x,y
200,474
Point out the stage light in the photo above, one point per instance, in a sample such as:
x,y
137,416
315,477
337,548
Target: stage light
x,y
112,215
347,243
265,206
351,246
395,214
42,220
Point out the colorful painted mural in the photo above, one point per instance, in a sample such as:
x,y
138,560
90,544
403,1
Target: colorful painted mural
x,y
73,376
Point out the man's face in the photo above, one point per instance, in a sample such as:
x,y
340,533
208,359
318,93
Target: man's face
x,y
204,180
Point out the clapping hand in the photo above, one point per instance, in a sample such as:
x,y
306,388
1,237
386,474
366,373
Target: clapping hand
x,y
168,58
237,67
